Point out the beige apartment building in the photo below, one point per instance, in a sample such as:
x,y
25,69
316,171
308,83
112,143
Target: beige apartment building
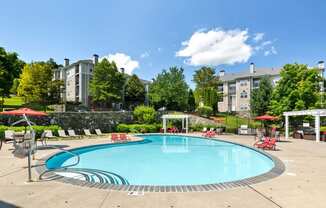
x,y
237,87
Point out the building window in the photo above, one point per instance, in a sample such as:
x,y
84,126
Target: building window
x,y
243,94
256,83
243,107
243,82
220,88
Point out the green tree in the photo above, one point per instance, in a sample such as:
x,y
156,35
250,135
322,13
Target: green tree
x,y
260,97
134,91
169,89
298,89
54,91
14,87
10,68
206,87
34,82
191,101
107,83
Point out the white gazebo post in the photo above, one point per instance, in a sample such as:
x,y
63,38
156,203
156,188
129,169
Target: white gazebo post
x,y
286,127
317,127
183,123
164,124
187,124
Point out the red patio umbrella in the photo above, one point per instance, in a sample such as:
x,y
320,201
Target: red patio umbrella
x,y
24,111
266,118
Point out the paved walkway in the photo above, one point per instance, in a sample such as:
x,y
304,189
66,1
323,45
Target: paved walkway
x,y
303,184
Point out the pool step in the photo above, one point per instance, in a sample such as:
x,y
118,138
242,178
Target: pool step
x,y
93,175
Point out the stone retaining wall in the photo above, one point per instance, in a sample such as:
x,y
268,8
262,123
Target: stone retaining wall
x,y
106,121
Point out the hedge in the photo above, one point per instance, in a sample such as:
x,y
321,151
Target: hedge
x,y
38,129
138,128
199,127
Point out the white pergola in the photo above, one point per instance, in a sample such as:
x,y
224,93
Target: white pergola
x,y
185,120
317,113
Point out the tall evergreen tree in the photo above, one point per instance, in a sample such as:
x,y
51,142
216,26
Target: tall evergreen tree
x,y
206,87
260,97
191,101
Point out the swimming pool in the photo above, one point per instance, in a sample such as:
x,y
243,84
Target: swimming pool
x,y
164,160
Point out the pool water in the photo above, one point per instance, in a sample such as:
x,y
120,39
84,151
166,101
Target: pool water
x,y
171,160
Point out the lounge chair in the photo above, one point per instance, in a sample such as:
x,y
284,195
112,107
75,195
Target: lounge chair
x,y
260,143
72,133
210,134
115,137
87,132
9,135
47,134
123,137
98,132
62,133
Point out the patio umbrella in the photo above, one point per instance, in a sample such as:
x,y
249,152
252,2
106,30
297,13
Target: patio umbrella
x,y
23,112
266,118
26,112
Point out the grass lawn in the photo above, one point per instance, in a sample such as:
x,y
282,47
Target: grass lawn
x,y
14,101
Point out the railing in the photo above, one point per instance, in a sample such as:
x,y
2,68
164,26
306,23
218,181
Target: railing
x,y
62,167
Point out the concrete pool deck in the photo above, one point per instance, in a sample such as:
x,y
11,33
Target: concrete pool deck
x,y
303,184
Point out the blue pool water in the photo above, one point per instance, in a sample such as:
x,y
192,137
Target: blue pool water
x,y
171,160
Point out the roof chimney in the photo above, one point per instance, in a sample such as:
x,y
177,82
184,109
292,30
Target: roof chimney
x,y
66,62
321,65
222,73
122,70
252,68
95,59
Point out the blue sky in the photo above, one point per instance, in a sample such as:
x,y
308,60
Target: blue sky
x,y
153,35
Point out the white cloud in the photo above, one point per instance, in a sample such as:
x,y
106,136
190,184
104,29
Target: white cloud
x,y
159,49
271,51
258,37
215,47
145,54
123,61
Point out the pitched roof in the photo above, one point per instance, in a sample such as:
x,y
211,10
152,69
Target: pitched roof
x,y
244,74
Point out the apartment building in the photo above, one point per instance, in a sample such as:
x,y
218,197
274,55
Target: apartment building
x,y
237,87
76,77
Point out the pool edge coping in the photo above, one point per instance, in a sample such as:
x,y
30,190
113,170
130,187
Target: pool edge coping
x,y
276,171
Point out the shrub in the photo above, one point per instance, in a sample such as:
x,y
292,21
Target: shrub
x,y
204,111
144,114
199,127
38,129
138,128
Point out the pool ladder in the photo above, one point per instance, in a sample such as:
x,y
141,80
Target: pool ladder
x,y
62,167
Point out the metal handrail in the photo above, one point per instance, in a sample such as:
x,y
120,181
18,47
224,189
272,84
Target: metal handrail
x,y
62,167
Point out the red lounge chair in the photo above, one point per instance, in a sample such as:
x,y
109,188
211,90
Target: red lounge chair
x,y
210,134
123,137
261,144
271,145
115,137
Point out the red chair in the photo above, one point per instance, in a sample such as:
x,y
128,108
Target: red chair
x,y
271,145
261,144
123,137
210,134
115,137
